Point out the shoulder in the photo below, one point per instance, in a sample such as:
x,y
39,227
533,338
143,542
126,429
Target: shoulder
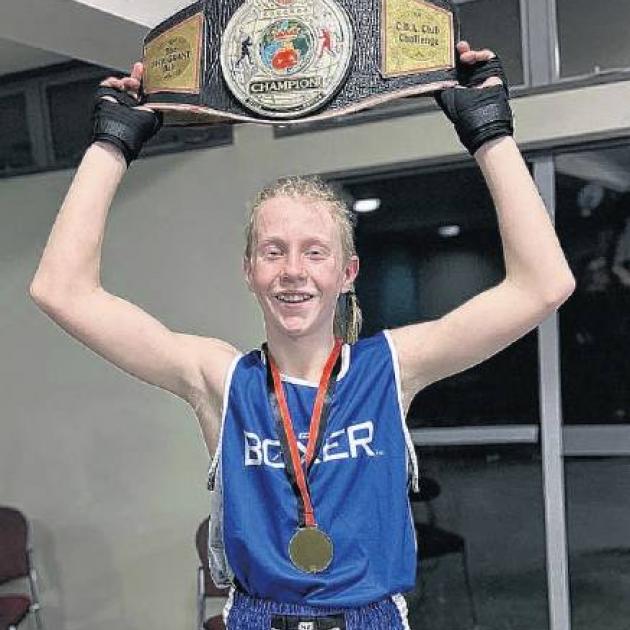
x,y
372,353
376,344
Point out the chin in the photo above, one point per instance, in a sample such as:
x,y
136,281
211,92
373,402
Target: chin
x,y
293,330
308,329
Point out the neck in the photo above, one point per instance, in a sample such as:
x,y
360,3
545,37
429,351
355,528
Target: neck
x,y
301,357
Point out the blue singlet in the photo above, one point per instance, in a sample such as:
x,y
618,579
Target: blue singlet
x,y
359,484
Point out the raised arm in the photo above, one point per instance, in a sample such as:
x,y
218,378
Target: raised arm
x,y
537,281
67,288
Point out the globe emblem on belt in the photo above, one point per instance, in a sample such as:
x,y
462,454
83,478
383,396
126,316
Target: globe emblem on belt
x,y
287,46
286,58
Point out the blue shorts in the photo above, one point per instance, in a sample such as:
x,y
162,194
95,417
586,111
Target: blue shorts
x,y
243,612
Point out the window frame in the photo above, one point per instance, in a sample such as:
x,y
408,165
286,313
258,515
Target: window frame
x,y
34,85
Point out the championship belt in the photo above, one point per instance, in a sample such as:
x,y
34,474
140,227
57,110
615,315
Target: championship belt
x,y
289,61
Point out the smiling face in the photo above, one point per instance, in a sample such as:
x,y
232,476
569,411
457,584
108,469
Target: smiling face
x,y
297,268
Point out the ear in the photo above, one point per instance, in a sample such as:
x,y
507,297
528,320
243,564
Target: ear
x,y
350,274
247,272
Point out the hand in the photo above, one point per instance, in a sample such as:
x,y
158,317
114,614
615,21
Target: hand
x,y
473,69
119,116
479,107
131,84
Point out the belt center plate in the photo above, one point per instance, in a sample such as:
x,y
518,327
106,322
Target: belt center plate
x,y
283,58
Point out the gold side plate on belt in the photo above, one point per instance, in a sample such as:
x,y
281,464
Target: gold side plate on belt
x,y
416,37
172,60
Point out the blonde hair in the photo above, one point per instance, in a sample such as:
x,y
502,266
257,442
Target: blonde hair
x,y
348,317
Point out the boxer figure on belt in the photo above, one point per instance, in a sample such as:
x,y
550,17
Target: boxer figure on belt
x,y
311,457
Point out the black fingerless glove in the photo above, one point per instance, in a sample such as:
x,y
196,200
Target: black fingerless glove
x,y
478,114
470,75
120,123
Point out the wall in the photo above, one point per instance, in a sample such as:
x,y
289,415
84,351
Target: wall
x,y
111,471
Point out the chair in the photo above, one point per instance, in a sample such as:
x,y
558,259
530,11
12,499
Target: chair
x,y
435,542
205,586
16,564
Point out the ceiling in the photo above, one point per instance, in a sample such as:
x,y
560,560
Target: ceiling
x,y
39,32
146,12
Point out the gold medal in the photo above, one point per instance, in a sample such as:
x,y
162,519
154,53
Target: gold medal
x,y
311,550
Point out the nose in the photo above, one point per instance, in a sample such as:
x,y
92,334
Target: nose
x,y
293,268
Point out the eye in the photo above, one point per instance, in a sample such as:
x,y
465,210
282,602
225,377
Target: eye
x,y
316,252
272,251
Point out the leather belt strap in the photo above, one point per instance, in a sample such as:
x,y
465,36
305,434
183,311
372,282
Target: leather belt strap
x,y
390,57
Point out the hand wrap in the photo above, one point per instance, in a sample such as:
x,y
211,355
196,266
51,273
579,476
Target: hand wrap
x,y
478,114
121,123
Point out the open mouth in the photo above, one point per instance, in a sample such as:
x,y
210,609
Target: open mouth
x,y
293,298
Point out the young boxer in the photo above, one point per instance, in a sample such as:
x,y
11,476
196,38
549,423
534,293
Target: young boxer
x,y
311,457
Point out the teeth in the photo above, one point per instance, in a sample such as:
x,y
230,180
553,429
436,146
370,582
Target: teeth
x,y
293,297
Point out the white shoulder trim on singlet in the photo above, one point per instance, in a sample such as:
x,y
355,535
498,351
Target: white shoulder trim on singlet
x,y
228,606
345,366
411,451
224,404
401,604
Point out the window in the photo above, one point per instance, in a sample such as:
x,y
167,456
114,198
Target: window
x,y
46,118
70,109
496,24
15,142
598,522
493,500
593,36
593,223
432,245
